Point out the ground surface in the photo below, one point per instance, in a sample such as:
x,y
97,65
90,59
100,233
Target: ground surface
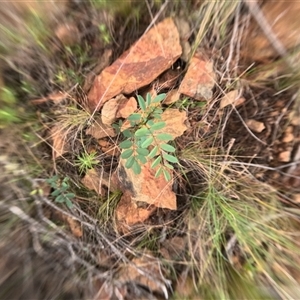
x,y
221,220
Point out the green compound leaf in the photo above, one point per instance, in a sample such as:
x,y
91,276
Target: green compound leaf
x,y
169,166
134,117
156,116
56,193
157,110
142,151
125,144
158,172
148,99
153,152
136,168
127,133
69,203
164,137
60,199
159,98
141,102
150,123
126,153
147,142
129,162
167,147
156,162
142,132
70,195
167,175
157,126
142,159
170,158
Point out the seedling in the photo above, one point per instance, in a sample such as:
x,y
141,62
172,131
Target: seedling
x,y
144,140
61,188
86,161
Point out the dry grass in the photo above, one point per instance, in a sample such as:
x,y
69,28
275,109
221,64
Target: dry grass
x,y
238,239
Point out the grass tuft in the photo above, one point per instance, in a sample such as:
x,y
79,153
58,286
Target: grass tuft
x,y
238,231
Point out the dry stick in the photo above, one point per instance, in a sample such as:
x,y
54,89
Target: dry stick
x,y
233,37
36,227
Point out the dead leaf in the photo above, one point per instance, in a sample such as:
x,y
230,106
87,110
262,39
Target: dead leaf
x,y
199,79
232,98
288,137
285,156
99,130
255,126
146,188
93,181
126,107
129,214
172,97
74,226
150,56
59,146
146,271
109,111
175,122
109,148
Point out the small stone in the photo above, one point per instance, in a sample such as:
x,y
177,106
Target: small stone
x,y
274,113
294,117
199,79
288,137
296,198
255,126
284,156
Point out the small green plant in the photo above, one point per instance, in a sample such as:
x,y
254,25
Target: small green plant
x,y
86,161
144,140
105,36
8,112
61,188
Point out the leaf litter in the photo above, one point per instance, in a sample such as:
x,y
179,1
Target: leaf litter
x,y
142,202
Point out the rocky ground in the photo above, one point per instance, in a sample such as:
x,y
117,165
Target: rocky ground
x,y
150,150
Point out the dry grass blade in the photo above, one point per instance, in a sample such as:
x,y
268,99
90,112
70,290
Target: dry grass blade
x,y
244,228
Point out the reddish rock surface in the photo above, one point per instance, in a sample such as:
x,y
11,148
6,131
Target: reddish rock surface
x,y
199,79
150,56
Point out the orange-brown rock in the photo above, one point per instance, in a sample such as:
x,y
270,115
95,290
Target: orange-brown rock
x,y
199,79
150,56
